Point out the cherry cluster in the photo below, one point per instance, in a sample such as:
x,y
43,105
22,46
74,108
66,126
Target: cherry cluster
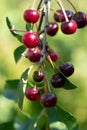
x,y
39,51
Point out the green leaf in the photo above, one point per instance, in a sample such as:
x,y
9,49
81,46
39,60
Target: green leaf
x,y
29,125
22,86
7,126
18,53
69,85
14,33
28,26
67,119
10,90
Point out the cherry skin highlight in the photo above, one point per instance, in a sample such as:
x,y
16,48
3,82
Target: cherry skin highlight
x,y
30,39
69,27
53,55
34,54
57,80
81,19
52,28
67,69
59,16
31,16
38,76
48,99
33,94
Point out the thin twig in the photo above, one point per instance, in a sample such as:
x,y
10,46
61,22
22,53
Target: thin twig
x,y
60,3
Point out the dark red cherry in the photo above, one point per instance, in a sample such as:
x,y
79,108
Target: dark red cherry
x,y
57,80
48,99
30,39
59,16
69,27
67,69
38,76
31,16
33,94
52,28
34,54
81,19
53,55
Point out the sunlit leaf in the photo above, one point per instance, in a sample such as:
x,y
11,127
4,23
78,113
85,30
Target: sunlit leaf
x,y
18,53
10,90
57,125
67,119
22,86
14,33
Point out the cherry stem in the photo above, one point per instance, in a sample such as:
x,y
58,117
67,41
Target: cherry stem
x,y
45,31
47,121
39,4
41,20
15,30
52,64
33,5
61,5
72,5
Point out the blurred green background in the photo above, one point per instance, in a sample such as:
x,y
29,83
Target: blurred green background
x,y
70,47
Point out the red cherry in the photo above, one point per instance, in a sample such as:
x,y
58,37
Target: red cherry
x,y
48,99
81,19
52,28
34,54
59,15
33,94
53,55
31,16
69,27
30,39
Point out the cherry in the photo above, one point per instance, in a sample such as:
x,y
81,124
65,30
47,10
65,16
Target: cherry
x,y
81,19
59,16
52,28
38,76
69,27
67,69
57,80
31,16
53,55
30,39
32,94
48,99
34,54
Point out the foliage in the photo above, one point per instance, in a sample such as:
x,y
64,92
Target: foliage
x,y
15,90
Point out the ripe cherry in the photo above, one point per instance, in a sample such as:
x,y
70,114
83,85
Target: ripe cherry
x,y
69,27
31,16
52,28
53,55
67,69
57,80
81,19
34,54
48,99
30,39
59,15
38,76
33,94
